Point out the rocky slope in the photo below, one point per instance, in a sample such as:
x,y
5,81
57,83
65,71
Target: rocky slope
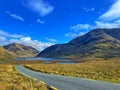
x,y
96,43
21,51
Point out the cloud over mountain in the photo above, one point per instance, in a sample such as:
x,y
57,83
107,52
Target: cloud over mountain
x,y
7,38
113,13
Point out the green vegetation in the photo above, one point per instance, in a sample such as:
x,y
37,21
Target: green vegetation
x,y
10,79
98,43
107,70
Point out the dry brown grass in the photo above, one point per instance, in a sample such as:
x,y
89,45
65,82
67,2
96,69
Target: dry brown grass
x,y
107,70
5,55
10,79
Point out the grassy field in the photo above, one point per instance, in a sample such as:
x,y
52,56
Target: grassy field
x,y
10,79
5,55
106,70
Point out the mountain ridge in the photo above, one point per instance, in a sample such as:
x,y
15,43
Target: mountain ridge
x,y
21,50
98,43
5,55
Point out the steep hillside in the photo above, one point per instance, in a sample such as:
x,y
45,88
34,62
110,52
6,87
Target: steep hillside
x,y
21,51
96,43
5,55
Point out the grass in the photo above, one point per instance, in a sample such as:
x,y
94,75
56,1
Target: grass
x,y
5,55
10,79
22,62
106,70
94,68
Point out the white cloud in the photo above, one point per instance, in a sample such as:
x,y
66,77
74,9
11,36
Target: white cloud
x,y
15,16
41,7
74,35
113,13
51,39
80,26
70,34
7,38
33,43
81,29
2,38
2,33
78,30
40,21
115,24
89,9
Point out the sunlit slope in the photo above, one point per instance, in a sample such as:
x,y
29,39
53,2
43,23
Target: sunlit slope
x,y
5,55
21,51
96,43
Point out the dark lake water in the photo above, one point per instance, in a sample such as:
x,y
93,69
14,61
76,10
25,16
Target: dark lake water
x,y
51,60
40,58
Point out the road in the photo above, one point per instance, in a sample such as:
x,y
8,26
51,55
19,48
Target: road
x,y
68,83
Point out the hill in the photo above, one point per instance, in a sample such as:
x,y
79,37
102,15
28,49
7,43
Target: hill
x,y
21,51
5,55
96,43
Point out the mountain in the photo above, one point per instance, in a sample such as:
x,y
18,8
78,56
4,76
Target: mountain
x,y
96,43
5,55
21,51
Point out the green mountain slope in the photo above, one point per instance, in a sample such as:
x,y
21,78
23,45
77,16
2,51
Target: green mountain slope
x,y
96,43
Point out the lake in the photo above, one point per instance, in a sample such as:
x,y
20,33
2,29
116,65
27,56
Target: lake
x,y
52,60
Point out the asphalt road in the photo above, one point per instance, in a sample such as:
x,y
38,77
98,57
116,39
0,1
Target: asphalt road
x,y
68,83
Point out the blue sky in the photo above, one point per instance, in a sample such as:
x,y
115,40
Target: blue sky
x,y
41,23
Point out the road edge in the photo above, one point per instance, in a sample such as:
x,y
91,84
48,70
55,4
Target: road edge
x,y
50,87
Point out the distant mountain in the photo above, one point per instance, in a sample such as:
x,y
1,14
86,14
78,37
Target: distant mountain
x,y
96,43
21,51
5,55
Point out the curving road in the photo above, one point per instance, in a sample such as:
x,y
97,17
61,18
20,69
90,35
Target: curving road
x,y
68,83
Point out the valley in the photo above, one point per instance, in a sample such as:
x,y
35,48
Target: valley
x,y
59,44
95,58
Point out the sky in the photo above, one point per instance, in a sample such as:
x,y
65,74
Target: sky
x,y
42,23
